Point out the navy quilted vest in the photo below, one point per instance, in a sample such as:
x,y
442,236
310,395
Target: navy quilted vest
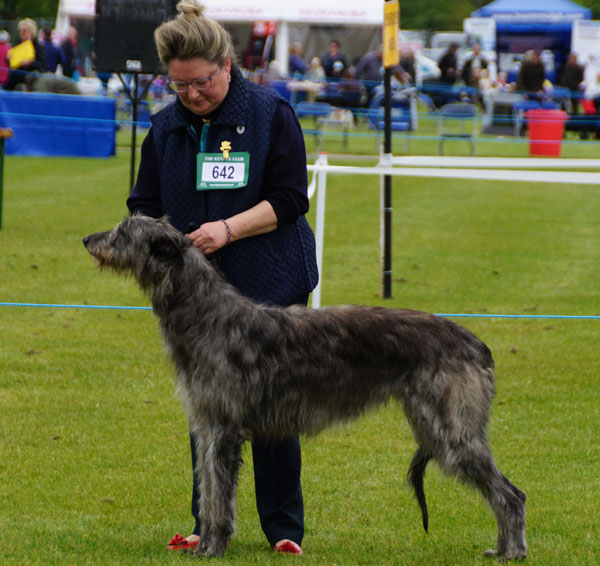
x,y
278,267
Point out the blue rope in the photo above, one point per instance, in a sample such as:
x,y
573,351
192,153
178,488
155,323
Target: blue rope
x,y
560,316
47,305
447,315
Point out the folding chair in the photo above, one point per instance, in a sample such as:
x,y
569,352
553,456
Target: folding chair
x,y
519,109
457,120
400,114
318,111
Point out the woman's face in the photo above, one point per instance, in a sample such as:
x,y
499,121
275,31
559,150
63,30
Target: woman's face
x,y
205,101
25,34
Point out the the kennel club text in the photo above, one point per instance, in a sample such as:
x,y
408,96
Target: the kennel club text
x,y
215,171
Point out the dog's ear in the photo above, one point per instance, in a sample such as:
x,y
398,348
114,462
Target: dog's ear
x,y
166,247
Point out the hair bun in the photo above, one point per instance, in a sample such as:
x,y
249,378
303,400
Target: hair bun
x,y
191,8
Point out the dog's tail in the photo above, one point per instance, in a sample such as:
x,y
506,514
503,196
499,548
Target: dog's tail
x,y
416,472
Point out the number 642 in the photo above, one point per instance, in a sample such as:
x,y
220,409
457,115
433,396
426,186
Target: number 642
x,y
223,171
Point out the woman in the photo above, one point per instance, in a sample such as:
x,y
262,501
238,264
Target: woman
x,y
26,57
227,163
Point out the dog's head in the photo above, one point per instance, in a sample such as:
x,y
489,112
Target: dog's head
x,y
145,247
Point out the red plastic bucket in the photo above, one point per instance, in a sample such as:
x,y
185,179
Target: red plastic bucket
x,y
546,129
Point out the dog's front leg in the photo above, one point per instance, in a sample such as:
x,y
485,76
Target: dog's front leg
x,y
218,468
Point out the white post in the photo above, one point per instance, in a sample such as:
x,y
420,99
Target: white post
x,y
282,46
320,226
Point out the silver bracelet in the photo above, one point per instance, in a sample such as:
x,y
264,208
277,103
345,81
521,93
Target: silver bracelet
x,y
228,231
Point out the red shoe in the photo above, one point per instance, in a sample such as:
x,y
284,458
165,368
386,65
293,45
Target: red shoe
x,y
288,547
180,543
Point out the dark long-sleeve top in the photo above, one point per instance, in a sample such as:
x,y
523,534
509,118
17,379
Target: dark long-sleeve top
x,y
282,187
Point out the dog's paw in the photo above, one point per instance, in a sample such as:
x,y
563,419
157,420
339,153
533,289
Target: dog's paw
x,y
211,549
515,555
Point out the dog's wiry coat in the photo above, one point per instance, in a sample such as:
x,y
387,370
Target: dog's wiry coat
x,y
246,370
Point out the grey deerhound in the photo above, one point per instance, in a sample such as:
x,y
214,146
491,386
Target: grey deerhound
x,y
245,370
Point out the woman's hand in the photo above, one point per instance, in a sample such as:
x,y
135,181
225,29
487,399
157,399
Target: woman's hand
x,y
210,237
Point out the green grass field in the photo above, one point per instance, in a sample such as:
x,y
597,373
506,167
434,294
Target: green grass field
x,y
94,455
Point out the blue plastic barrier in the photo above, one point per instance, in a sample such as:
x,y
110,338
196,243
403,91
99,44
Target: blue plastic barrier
x,y
45,124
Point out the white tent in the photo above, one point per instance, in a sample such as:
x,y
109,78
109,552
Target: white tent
x,y
354,13
68,9
349,12
316,12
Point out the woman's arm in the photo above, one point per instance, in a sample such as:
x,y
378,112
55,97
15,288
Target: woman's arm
x,y
212,236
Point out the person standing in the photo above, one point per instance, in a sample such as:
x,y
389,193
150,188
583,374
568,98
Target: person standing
x,y
54,55
369,70
296,64
571,77
334,61
4,49
448,64
251,226
69,49
471,71
530,80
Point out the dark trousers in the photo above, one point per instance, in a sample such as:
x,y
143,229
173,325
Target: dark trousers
x,y
278,490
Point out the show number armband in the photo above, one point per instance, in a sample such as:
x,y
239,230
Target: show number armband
x,y
225,170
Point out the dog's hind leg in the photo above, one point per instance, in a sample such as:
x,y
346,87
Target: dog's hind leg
x,y
474,464
219,461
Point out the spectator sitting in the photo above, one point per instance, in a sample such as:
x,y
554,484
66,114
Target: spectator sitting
x,y
351,92
316,74
485,84
502,84
530,79
407,62
315,70
54,54
297,66
273,73
27,56
4,49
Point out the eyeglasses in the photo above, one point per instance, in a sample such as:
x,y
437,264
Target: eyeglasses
x,y
197,84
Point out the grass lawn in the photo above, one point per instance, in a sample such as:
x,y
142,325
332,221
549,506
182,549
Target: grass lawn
x,y
94,455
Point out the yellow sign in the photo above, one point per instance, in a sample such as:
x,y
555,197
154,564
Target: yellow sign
x,y
22,54
391,24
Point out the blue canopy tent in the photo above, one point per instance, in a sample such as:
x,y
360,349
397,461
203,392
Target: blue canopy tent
x,y
533,24
535,9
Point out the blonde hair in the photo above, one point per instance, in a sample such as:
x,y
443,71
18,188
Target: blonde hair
x,y
29,25
190,34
